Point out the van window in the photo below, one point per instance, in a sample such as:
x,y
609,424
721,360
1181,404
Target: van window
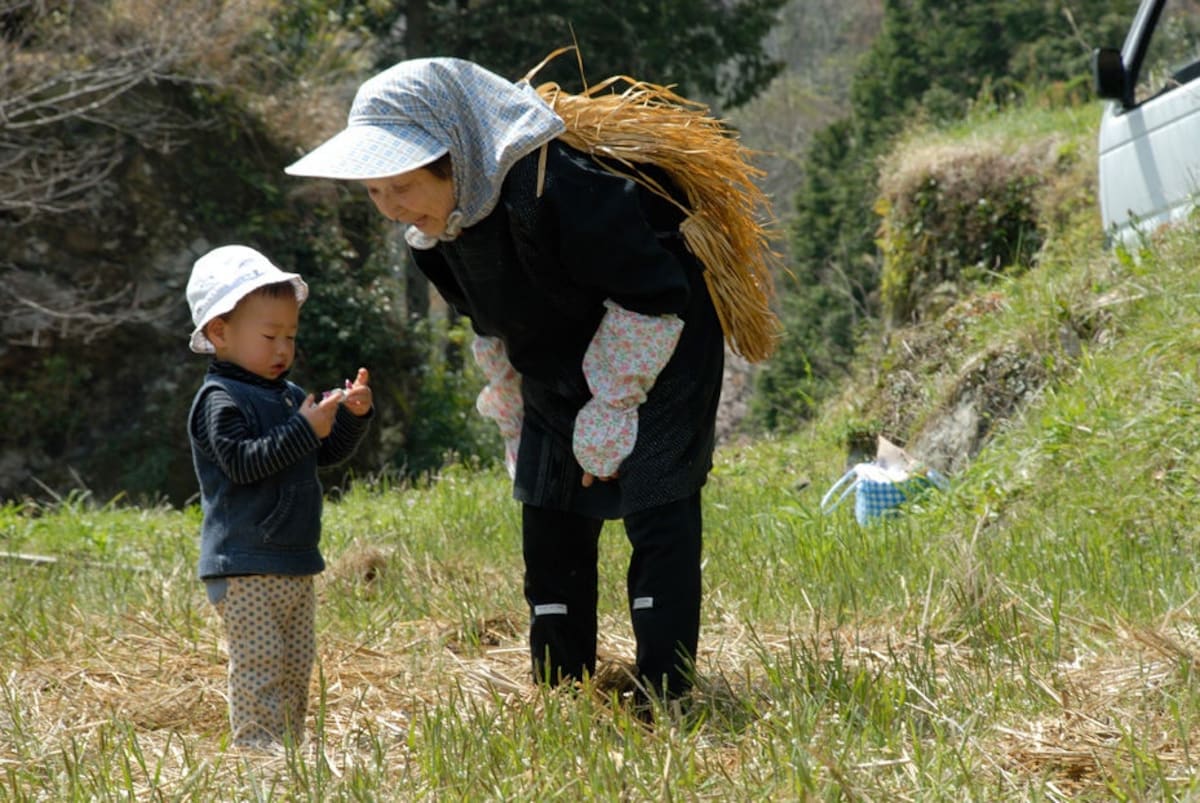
x,y
1173,56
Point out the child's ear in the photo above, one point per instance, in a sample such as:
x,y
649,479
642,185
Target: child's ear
x,y
214,330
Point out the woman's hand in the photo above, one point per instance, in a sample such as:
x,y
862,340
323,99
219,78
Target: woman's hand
x,y
588,479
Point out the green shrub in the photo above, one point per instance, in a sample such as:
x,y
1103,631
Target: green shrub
x,y
952,216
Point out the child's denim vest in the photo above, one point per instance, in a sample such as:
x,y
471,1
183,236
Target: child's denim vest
x,y
272,526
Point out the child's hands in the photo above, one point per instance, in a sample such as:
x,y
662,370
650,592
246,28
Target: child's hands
x,y
358,398
320,414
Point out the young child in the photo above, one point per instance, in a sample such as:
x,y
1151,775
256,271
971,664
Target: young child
x,y
257,441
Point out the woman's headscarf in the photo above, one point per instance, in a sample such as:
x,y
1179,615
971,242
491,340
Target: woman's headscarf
x,y
411,114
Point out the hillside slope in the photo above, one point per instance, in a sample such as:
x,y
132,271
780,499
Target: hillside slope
x,y
991,280
1061,397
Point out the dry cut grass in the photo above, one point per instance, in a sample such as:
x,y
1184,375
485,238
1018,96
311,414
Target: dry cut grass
x,y
372,701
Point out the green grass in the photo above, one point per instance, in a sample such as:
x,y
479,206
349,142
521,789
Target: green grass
x,y
1032,634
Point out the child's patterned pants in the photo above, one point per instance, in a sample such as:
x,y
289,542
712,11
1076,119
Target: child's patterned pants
x,y
270,626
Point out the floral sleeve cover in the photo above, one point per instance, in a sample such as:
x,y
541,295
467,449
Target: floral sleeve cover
x,y
625,357
500,400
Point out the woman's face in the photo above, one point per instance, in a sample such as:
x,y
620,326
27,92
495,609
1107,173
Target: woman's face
x,y
418,197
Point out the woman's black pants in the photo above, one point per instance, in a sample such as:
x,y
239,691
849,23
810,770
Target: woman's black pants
x,y
663,586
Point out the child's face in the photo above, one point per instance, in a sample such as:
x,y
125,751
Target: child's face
x,y
259,335
419,198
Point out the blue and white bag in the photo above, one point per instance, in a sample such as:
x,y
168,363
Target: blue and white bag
x,y
880,487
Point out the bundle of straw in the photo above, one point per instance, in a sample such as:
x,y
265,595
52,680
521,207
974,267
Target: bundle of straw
x,y
650,124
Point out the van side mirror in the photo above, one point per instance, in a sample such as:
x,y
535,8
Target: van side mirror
x,y
1109,77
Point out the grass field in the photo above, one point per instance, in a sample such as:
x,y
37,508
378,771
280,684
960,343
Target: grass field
x,y
1031,634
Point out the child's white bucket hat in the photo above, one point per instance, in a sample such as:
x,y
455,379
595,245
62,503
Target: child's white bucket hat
x,y
223,277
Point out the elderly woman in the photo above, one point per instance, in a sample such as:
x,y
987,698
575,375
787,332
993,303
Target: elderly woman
x,y
595,329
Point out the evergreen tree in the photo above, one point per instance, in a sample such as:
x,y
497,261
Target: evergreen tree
x,y
709,49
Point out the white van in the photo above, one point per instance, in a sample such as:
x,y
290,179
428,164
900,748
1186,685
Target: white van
x,y
1150,133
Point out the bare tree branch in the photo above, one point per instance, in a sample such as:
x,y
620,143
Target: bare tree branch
x,y
85,87
36,312
41,178
71,100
